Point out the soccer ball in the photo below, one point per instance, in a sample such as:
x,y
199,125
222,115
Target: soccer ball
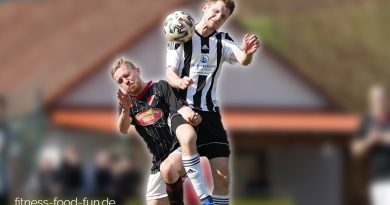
x,y
179,26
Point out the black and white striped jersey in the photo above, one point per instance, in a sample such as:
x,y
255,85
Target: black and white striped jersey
x,y
150,112
201,58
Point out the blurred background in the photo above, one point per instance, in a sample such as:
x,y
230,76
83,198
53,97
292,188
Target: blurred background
x,y
291,114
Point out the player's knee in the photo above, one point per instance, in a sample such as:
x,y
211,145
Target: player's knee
x,y
161,201
222,179
167,170
188,139
186,135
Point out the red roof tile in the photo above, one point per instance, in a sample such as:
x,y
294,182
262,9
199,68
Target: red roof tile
x,y
50,45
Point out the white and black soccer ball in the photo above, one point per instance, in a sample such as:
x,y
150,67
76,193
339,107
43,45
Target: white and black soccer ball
x,y
179,26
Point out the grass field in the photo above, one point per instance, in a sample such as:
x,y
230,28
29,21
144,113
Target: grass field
x,y
262,202
241,201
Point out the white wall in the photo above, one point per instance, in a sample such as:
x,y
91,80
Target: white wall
x,y
264,83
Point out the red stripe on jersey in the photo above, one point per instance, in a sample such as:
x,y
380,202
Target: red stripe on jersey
x,y
150,99
144,91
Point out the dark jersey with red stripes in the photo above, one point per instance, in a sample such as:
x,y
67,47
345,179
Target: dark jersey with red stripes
x,y
150,113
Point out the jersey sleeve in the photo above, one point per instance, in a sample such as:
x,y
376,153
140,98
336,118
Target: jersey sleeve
x,y
228,47
174,51
171,96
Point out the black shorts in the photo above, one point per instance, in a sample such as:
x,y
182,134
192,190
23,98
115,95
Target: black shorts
x,y
212,139
176,121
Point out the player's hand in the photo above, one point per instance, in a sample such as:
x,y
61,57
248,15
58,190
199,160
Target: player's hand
x,y
386,138
375,136
195,119
250,44
190,116
124,100
184,82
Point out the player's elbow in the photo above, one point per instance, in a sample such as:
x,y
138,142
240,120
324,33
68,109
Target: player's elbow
x,y
171,71
123,131
170,74
123,128
245,63
357,150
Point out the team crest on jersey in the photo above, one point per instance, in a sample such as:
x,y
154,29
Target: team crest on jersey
x,y
204,59
149,116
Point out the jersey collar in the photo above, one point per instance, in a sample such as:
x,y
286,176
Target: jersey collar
x,y
200,35
144,91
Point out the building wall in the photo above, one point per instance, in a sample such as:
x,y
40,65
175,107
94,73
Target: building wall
x,y
88,144
265,83
302,174
308,175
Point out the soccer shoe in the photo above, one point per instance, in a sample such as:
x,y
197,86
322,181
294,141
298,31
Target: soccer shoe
x,y
207,201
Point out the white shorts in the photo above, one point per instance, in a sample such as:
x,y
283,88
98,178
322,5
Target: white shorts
x,y
380,192
156,187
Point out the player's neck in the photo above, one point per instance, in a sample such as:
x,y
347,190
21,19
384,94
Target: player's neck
x,y
142,88
203,29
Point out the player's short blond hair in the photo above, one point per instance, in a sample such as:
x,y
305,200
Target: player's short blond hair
x,y
118,63
229,4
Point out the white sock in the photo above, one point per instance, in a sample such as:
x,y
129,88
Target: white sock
x,y
221,200
195,174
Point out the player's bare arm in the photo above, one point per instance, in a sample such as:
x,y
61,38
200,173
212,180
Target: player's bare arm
x,y
362,146
250,44
175,81
124,121
386,138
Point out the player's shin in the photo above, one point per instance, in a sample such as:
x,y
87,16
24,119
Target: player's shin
x,y
175,192
191,159
195,174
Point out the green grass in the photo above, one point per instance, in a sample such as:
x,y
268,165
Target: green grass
x,y
241,201
134,202
262,202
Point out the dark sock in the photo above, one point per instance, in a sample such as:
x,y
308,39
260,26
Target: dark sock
x,y
175,192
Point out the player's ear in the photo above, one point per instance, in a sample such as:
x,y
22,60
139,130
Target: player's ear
x,y
205,6
137,69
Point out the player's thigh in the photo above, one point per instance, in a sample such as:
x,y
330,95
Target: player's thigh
x,y
161,201
186,134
